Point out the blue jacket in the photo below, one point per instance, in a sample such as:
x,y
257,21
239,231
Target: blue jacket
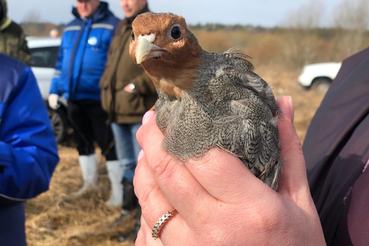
x,y
28,150
83,54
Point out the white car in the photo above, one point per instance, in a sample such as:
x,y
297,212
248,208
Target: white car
x,y
319,75
44,53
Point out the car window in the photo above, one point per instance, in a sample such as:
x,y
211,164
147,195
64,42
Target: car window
x,y
44,57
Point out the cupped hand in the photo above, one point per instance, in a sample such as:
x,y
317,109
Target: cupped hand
x,y
128,88
219,201
53,101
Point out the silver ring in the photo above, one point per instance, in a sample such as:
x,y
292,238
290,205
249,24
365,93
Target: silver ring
x,y
163,219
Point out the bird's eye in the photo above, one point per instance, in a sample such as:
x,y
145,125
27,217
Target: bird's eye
x,y
133,36
175,32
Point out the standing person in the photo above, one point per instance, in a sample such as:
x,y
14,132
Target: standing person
x,y
54,33
80,64
127,93
28,151
12,38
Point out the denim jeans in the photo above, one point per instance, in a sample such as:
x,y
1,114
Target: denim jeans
x,y
127,147
12,231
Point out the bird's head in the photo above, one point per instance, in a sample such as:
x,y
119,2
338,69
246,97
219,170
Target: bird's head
x,y
166,49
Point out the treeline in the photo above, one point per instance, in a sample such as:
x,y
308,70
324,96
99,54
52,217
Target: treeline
x,y
290,47
43,28
40,29
324,32
298,39
237,27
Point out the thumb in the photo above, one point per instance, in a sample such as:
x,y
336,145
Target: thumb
x,y
293,182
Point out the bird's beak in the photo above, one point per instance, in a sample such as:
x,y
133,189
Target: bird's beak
x,y
146,50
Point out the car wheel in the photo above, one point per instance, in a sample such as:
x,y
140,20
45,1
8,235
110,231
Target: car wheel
x,y
321,85
58,123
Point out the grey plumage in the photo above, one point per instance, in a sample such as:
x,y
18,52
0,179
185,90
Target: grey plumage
x,y
230,107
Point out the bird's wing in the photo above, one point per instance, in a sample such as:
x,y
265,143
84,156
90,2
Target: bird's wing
x,y
241,68
250,133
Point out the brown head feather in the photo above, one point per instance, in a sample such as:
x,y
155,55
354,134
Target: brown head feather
x,y
176,69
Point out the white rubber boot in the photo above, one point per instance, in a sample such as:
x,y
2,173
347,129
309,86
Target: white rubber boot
x,y
115,172
89,167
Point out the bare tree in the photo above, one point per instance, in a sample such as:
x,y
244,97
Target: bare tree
x,y
351,18
352,15
301,41
31,23
307,17
33,16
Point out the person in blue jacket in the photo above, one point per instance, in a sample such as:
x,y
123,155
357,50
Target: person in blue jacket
x,y
81,63
28,150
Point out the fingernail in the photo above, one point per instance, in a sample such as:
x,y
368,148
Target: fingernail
x,y
140,155
148,115
292,108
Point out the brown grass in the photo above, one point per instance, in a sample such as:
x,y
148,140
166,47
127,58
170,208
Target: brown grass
x,y
56,219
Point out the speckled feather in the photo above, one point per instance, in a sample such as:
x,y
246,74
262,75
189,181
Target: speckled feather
x,y
226,105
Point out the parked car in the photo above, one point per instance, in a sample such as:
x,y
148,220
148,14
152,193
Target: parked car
x,y
44,53
319,76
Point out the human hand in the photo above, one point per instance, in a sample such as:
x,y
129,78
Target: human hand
x,y
53,101
130,88
219,201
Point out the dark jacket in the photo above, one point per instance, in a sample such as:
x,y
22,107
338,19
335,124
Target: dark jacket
x,y
122,106
336,149
12,38
28,151
83,54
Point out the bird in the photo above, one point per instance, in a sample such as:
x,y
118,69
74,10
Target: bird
x,y
206,99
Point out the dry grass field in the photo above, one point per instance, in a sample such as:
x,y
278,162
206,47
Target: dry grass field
x,y
57,219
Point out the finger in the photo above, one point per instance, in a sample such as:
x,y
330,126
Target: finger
x,y
225,177
144,236
152,200
140,240
172,177
141,237
153,203
293,177
221,174
173,229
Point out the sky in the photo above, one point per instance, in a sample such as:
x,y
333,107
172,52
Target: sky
x,y
267,13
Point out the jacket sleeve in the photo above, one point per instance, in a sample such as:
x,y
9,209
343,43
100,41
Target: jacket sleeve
x,y
24,54
54,87
144,84
28,150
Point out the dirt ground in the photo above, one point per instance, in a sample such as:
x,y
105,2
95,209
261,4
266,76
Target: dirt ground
x,y
57,219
